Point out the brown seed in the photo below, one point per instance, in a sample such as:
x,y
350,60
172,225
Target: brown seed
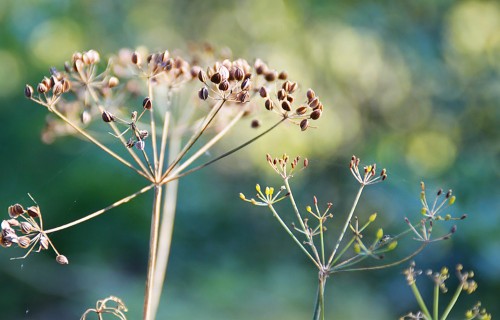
x,y
34,211
216,78
293,87
301,110
41,88
15,210
147,104
286,86
57,89
316,114
242,96
286,106
314,103
224,85
202,76
203,93
113,82
62,259
290,98
255,123
66,85
260,66
136,59
23,242
263,92
26,227
310,94
245,85
304,124
28,91
281,94
271,75
269,104
283,75
238,74
107,116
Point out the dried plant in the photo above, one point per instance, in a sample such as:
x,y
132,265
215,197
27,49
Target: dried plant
x,y
439,278
347,254
158,139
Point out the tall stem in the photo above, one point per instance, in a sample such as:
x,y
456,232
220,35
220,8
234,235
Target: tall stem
x,y
319,307
166,230
153,245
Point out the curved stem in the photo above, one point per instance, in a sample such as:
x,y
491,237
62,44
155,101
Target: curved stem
x,y
99,212
420,301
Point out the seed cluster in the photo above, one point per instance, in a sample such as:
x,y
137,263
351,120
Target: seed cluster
x,y
25,228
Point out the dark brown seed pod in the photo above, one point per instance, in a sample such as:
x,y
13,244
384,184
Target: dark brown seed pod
x,y
216,78
245,85
107,116
33,211
271,75
285,105
316,114
224,85
304,124
15,210
310,94
293,87
238,74
263,92
286,86
255,123
290,98
301,110
66,85
283,75
269,104
260,67
28,91
136,59
203,93
147,104
281,94
62,259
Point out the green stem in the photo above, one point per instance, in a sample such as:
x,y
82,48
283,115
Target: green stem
x,y
452,302
346,225
275,214
420,301
436,301
319,306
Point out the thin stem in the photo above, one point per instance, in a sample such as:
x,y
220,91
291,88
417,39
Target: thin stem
x,y
436,301
295,209
275,214
322,240
99,212
452,302
166,231
164,136
134,156
208,119
319,306
168,178
156,173
420,301
346,225
344,250
153,247
97,143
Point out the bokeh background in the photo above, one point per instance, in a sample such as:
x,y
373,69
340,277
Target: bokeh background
x,y
411,85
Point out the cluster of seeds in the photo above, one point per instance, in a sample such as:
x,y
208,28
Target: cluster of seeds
x,y
369,172
24,230
280,164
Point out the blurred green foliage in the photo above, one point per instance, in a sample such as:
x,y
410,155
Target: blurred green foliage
x,y
411,85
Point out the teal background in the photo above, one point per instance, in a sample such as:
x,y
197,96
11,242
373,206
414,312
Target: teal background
x,y
411,85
